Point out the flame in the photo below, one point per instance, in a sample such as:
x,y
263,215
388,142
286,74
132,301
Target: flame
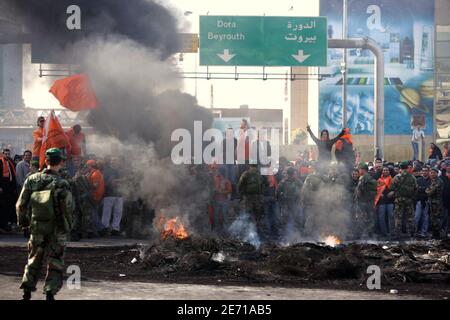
x,y
332,241
172,228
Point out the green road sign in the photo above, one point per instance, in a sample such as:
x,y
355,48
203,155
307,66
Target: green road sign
x,y
263,41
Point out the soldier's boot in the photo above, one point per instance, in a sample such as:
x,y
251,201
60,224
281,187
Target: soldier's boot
x,y
49,296
26,295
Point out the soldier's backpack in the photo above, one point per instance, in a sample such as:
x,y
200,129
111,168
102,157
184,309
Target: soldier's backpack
x,y
43,216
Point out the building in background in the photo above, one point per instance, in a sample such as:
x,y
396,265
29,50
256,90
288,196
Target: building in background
x,y
17,126
417,79
258,118
11,62
442,77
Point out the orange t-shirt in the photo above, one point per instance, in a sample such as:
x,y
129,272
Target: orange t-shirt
x,y
96,178
38,134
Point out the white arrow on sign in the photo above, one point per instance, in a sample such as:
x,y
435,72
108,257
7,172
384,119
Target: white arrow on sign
x,y
226,56
300,57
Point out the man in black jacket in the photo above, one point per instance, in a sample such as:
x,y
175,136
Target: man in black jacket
x,y
421,217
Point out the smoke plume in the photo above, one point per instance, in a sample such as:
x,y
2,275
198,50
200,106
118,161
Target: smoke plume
x,y
125,47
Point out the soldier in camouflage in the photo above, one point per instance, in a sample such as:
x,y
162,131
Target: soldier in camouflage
x,y
309,201
434,192
404,188
49,222
288,193
250,187
364,196
84,204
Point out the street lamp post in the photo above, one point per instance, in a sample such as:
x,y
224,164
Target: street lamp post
x,y
344,67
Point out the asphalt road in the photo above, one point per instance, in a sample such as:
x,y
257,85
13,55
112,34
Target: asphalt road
x,y
108,290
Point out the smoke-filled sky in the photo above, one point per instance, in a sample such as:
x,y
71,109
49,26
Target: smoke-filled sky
x,y
226,93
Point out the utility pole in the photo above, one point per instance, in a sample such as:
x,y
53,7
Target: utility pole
x,y
370,44
344,66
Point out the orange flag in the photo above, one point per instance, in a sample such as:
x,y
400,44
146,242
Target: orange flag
x,y
382,184
54,137
75,93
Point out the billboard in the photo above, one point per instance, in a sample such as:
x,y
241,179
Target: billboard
x,y
405,31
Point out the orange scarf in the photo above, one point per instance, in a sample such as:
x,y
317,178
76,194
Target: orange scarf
x,y
8,169
272,181
347,136
382,184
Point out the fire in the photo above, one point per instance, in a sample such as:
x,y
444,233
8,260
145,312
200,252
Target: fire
x,y
332,241
172,228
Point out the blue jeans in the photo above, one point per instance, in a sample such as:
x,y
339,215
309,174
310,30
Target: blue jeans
x,y
421,218
415,146
386,218
220,208
231,173
271,212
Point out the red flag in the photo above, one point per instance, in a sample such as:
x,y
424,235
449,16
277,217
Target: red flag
x,y
54,137
75,93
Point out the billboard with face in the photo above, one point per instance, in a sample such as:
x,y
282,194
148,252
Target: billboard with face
x,y
405,31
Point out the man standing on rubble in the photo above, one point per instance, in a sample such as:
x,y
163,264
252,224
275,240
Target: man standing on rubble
x,y
434,192
271,208
8,191
404,188
45,207
288,193
422,217
250,187
221,200
365,193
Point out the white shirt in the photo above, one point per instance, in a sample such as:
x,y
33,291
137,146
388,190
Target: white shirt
x,y
417,134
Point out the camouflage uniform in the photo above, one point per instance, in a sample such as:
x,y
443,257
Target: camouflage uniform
x,y
434,192
404,186
84,205
289,195
48,237
308,194
250,186
365,193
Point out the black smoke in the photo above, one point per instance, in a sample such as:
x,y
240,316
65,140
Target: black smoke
x,y
125,47
143,21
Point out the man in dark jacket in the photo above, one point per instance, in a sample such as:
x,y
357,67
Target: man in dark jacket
x,y
421,217
8,191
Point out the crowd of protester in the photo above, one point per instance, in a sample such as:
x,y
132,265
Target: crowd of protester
x,y
382,199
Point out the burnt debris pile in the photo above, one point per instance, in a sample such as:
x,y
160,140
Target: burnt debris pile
x,y
232,259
